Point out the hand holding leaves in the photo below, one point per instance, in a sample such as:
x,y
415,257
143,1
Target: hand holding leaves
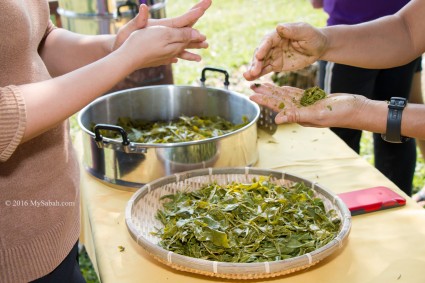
x,y
336,110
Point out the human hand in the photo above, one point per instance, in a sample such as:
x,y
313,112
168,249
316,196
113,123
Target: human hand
x,y
188,19
142,20
291,47
138,22
336,110
159,45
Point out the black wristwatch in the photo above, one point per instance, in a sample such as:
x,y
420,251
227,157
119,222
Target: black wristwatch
x,y
395,111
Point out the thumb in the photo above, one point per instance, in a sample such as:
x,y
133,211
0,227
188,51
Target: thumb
x,y
291,115
185,35
281,118
295,31
141,19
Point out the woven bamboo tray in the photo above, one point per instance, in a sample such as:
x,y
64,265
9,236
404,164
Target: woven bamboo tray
x,y
141,221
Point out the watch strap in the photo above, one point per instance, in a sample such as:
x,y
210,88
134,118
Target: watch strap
x,y
395,113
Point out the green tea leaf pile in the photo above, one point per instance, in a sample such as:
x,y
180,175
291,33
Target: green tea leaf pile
x,y
246,222
183,129
312,95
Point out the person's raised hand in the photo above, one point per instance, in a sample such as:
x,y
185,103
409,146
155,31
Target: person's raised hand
x,y
159,45
290,47
141,20
186,20
336,110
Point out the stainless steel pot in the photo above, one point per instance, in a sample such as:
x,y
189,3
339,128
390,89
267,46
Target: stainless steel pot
x,y
104,16
128,165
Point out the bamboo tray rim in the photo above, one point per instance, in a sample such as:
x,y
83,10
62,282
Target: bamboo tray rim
x,y
229,270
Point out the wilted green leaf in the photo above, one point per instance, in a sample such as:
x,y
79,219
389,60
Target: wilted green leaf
x,y
246,222
181,130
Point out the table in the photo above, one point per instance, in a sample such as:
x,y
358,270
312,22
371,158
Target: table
x,y
384,246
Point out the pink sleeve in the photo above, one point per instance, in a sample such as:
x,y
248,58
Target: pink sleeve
x,y
12,120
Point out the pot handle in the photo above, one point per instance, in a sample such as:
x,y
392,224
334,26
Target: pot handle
x,y
99,138
226,75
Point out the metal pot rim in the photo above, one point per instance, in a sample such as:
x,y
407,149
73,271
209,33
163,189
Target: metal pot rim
x,y
168,145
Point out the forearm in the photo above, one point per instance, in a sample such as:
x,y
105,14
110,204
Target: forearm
x,y
386,42
65,51
412,123
361,113
379,44
65,95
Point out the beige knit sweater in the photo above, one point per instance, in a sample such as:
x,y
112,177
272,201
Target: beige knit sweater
x,y
39,200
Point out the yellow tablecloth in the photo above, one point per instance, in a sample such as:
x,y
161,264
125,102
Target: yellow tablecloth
x,y
385,246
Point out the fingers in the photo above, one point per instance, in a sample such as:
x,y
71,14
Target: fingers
x,y
204,4
291,30
186,35
282,93
186,38
264,96
283,31
288,91
262,60
265,70
189,56
138,22
141,19
197,45
257,69
186,20
304,38
264,48
248,76
287,116
303,116
289,95
276,98
254,70
171,61
189,19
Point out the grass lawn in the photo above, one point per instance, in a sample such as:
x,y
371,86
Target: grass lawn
x,y
234,29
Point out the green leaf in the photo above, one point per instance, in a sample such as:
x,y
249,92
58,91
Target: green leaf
x,y
246,222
